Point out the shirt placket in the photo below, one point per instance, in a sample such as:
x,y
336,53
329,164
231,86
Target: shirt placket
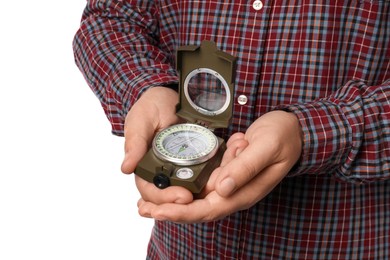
x,y
251,47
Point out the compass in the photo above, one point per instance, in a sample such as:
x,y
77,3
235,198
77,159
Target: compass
x,y
186,154
185,144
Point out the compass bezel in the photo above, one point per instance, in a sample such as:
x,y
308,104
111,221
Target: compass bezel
x,y
162,153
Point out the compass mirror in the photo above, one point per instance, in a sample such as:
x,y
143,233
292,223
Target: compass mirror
x,y
207,91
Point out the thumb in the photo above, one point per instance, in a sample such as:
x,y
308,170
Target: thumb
x,y
139,132
135,148
153,111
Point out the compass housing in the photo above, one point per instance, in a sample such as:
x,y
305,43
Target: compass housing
x,y
206,102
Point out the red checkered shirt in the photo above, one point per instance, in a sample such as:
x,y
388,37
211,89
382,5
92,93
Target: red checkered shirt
x,y
326,61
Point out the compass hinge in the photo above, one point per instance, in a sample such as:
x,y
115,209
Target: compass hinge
x,y
204,124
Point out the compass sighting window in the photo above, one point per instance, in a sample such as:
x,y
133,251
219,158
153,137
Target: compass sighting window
x,y
207,91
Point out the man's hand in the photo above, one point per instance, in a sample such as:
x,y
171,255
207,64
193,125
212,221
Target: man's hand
x,y
253,164
154,111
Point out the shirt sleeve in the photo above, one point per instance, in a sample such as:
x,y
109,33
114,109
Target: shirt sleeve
x,y
347,134
118,51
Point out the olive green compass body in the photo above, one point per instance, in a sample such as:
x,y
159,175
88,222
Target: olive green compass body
x,y
186,154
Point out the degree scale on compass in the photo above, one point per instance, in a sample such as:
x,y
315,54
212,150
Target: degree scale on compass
x,y
186,144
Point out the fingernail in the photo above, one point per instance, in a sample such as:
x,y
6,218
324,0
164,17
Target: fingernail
x,y
227,187
125,164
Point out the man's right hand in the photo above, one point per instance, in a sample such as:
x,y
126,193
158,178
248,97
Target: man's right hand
x,y
154,111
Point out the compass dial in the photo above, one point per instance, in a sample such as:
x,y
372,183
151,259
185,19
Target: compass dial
x,y
185,144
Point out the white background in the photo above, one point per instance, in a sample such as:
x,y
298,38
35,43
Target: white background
x,y
62,195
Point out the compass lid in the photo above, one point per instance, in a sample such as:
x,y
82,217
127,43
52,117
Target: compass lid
x,y
206,85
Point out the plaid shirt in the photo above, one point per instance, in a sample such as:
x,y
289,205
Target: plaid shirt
x,y
326,61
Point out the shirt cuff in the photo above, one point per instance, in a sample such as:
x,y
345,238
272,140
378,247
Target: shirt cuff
x,y
326,137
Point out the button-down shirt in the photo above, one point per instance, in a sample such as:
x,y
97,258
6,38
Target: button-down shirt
x,y
326,61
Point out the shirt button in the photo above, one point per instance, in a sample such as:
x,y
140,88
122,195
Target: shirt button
x,y
257,5
242,100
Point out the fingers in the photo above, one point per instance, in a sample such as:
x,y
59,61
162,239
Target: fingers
x,y
195,212
240,169
173,194
235,137
214,206
235,145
